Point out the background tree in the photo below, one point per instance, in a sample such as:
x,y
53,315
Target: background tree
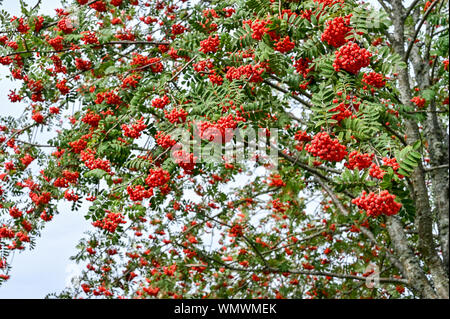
x,y
355,101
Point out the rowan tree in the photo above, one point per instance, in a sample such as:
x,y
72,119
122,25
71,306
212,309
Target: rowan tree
x,y
352,100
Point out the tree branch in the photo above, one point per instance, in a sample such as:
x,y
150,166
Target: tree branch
x,y
416,33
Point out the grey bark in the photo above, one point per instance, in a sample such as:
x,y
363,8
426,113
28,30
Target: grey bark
x,y
437,287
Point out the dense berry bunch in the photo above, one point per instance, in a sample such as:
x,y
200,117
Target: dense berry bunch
x,y
88,157
376,205
82,65
374,79
110,97
215,78
302,136
157,177
160,103
222,130
336,31
62,87
326,148
259,27
40,199
351,58
37,117
68,177
276,181
178,29
176,116
135,130
89,37
165,141
141,61
185,160
26,160
138,192
110,222
344,111
130,81
78,145
359,160
284,45
250,72
56,43
302,66
91,118
210,45
15,212
71,196
418,101
376,172
66,26
99,6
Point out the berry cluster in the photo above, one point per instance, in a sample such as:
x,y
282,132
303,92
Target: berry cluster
x,y
376,172
42,199
374,79
135,130
99,6
302,136
376,205
141,61
71,196
62,87
26,160
326,148
215,78
220,131
418,101
82,65
110,97
138,192
37,117
259,27
15,212
178,29
210,45
284,45
165,141
56,43
68,177
351,58
88,157
185,160
160,103
276,181
158,177
302,66
89,37
336,31
251,72
110,222
176,116
66,26
78,145
91,118
358,160
344,111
